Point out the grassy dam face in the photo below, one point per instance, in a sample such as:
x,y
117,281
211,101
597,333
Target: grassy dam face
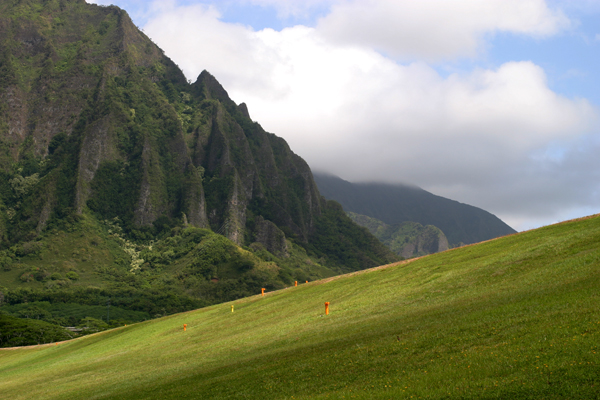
x,y
515,317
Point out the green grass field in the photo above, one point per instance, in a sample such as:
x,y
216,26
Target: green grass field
x,y
516,317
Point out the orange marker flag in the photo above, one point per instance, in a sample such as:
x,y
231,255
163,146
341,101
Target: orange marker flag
x,y
295,283
262,291
184,327
326,308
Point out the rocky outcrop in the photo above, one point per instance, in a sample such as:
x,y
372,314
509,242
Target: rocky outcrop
x,y
270,236
428,240
96,147
243,109
238,154
409,239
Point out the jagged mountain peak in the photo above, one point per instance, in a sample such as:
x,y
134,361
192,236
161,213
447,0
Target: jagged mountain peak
x,y
207,86
98,120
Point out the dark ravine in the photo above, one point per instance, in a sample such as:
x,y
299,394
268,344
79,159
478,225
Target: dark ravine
x,y
396,204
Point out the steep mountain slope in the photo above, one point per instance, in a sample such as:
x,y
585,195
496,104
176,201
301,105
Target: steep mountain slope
x,y
91,96
512,318
118,178
95,118
394,204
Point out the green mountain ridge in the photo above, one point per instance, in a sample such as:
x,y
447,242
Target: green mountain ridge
x,y
394,204
515,317
149,188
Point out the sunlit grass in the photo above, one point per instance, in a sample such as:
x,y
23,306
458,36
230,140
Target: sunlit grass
x,y
516,317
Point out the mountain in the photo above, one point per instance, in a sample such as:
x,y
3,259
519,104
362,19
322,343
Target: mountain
x,y
107,122
115,167
408,239
395,204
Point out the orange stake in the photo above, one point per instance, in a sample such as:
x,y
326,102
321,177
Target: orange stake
x,y
306,281
326,308
295,283
184,327
232,308
262,291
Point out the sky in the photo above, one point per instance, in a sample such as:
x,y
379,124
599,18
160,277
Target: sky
x,y
493,103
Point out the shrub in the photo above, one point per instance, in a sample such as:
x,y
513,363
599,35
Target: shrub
x,y
72,275
90,324
58,284
56,276
6,263
23,332
41,275
31,248
243,265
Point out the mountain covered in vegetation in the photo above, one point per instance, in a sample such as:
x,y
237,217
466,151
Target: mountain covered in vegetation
x,y
395,204
119,179
407,239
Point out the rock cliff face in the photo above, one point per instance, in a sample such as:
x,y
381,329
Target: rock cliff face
x,y
428,240
271,237
248,171
101,121
408,239
73,75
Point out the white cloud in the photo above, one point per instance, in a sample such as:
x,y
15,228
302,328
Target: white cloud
x,y
287,8
196,39
499,138
436,29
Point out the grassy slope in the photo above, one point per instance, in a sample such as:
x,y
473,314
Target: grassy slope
x,y
83,248
99,259
516,317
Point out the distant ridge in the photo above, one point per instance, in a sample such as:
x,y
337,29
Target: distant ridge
x,y
394,204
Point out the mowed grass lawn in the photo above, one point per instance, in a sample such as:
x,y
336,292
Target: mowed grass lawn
x,y
516,317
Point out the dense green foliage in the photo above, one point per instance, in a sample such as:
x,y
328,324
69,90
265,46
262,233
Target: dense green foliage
x,y
512,318
116,188
69,305
66,276
24,332
394,204
70,314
